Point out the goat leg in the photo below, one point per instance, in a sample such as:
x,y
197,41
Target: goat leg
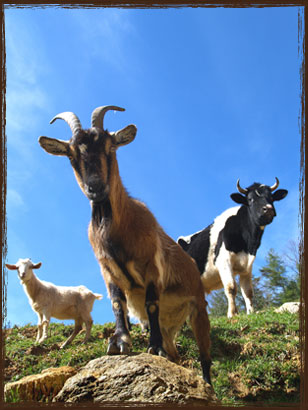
x,y
77,328
120,342
201,328
152,307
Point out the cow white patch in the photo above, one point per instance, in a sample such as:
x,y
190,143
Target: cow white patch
x,y
187,238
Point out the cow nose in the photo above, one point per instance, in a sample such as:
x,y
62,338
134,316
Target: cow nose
x,y
269,209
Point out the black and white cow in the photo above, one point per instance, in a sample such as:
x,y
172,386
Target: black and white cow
x,y
228,247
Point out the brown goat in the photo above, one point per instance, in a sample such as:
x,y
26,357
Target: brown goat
x,y
146,273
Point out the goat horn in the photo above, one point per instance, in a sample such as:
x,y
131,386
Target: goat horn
x,y
275,186
97,118
240,189
70,118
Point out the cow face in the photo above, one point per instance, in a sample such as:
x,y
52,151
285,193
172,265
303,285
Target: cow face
x,y
259,199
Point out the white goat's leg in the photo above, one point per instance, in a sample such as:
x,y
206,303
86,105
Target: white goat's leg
x,y
226,275
88,324
78,327
39,327
45,324
247,292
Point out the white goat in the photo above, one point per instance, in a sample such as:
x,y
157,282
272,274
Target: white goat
x,y
61,302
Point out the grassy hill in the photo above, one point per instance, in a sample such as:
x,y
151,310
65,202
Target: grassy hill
x,y
256,358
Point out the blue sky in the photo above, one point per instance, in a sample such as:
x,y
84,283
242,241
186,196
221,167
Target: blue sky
x,y
214,93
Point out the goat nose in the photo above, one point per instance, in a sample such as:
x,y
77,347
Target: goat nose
x,y
93,186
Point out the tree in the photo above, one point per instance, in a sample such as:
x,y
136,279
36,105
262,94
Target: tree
x,y
274,279
218,305
281,277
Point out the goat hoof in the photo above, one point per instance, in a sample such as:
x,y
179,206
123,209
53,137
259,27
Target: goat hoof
x,y
118,348
157,350
124,348
162,353
112,349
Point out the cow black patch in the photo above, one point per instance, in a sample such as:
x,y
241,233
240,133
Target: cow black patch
x,y
198,248
239,234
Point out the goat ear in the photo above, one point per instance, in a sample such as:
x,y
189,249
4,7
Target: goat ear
x,y
280,194
54,146
125,135
239,199
36,265
11,267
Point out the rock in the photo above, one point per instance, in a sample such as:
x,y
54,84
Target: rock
x,y
35,387
136,378
292,307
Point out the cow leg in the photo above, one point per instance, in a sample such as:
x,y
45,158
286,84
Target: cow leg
x,y
226,275
120,342
247,292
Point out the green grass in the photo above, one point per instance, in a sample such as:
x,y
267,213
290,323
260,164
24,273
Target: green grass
x,y
256,358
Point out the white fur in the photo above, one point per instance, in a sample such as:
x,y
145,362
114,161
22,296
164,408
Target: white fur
x,y
221,273
60,302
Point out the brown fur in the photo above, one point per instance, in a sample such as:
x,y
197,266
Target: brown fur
x,y
146,252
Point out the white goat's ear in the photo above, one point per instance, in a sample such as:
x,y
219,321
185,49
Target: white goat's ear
x,y
36,265
125,135
11,267
54,146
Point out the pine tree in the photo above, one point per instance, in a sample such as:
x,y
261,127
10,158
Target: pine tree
x,y
274,275
218,305
279,284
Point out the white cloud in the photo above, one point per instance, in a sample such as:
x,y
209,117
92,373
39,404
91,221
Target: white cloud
x,y
25,67
14,199
103,33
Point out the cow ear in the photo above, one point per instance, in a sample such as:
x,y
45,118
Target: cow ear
x,y
280,194
183,244
239,199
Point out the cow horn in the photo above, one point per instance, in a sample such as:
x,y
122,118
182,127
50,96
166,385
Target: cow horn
x,y
240,189
97,118
275,186
70,118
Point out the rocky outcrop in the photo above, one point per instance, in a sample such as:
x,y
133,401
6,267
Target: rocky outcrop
x,y
39,386
292,307
137,378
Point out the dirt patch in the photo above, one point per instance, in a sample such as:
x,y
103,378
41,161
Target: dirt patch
x,y
29,332
40,350
236,383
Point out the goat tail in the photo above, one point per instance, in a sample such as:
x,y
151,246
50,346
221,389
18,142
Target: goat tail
x,y
98,296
